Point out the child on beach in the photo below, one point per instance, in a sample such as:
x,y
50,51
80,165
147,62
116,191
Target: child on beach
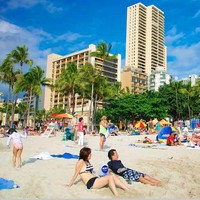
x,y
17,146
85,170
103,131
128,174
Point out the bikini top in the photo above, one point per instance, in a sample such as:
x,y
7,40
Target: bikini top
x,y
89,168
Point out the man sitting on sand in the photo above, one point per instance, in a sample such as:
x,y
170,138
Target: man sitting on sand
x,y
172,140
128,174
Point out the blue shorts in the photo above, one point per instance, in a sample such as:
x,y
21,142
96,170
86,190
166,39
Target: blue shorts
x,y
132,175
90,183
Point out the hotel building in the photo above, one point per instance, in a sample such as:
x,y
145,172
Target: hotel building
x,y
134,79
55,63
145,47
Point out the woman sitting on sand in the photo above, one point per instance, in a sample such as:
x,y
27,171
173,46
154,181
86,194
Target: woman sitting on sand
x,y
85,170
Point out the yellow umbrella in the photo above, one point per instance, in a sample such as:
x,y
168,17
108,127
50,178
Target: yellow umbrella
x,y
140,124
164,122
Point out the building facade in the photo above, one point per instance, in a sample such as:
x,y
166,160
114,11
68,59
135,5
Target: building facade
x,y
192,78
145,47
134,79
157,79
55,63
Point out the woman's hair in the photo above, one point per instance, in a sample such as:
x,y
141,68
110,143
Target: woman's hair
x,y
103,117
84,153
80,119
111,153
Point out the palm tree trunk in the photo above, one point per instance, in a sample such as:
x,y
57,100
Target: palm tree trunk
x,y
95,110
73,98
7,106
189,106
82,102
69,102
29,106
13,109
91,107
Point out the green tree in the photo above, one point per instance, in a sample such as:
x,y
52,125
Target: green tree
x,y
31,83
19,56
103,51
66,83
88,75
8,76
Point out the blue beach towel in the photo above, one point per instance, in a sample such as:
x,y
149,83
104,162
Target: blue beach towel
x,y
7,184
66,156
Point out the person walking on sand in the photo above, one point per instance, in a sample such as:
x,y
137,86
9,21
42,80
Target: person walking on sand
x,y
80,132
85,170
129,175
102,131
17,146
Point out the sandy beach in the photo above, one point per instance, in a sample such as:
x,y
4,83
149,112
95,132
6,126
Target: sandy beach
x,y
177,168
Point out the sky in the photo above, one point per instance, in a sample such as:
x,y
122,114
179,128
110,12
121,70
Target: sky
x,y
65,26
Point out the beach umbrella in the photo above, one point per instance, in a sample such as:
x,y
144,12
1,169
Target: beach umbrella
x,y
164,133
62,115
164,122
140,124
54,115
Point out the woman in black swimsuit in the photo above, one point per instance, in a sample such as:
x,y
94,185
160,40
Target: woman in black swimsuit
x,y
85,170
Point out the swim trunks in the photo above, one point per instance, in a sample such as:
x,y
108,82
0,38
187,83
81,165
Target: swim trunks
x,y
132,175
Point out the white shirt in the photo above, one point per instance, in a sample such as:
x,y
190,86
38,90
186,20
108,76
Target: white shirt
x,y
16,137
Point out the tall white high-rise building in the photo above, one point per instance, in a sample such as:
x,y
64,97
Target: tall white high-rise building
x,y
145,47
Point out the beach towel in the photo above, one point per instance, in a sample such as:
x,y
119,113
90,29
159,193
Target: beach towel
x,y
66,156
7,184
43,156
48,156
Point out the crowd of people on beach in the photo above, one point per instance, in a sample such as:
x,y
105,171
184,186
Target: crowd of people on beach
x,y
116,168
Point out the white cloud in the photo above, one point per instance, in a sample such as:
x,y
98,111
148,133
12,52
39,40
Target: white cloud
x,y
15,4
12,36
37,41
186,60
71,37
172,36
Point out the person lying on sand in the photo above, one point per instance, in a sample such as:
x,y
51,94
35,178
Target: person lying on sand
x,y
129,175
85,170
146,140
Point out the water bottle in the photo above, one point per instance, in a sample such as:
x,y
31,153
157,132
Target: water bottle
x,y
103,169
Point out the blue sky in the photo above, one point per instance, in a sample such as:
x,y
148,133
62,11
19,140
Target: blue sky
x,y
64,26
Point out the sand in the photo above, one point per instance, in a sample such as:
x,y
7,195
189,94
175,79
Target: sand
x,y
176,167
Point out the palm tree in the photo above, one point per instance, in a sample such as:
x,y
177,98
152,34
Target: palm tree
x,y
8,76
103,51
19,55
176,87
189,91
66,83
88,75
31,83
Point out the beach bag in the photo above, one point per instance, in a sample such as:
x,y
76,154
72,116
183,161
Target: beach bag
x,y
103,169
